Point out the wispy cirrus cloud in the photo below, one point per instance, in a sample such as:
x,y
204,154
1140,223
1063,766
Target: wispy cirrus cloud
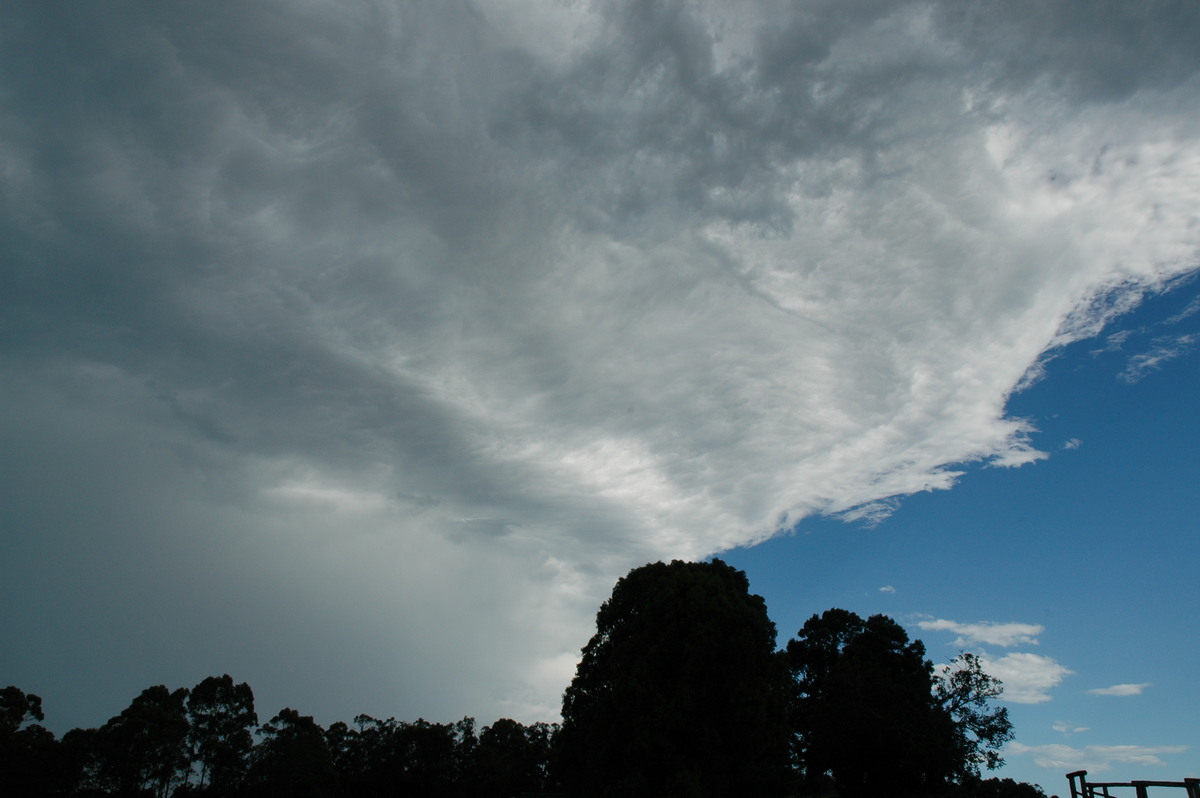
x,y
1163,350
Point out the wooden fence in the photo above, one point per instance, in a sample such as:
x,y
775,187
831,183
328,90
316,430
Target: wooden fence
x,y
1082,788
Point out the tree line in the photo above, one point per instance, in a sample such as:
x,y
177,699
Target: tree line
x,y
207,742
682,691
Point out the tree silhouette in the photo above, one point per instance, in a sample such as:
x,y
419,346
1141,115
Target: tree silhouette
x,y
679,692
29,754
292,759
870,713
513,758
144,749
222,716
980,730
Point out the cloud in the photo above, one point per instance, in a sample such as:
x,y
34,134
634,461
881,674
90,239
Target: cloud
x,y
1072,444
1027,678
1093,758
1114,342
1164,350
385,339
887,589
1121,689
1192,309
988,633
1068,728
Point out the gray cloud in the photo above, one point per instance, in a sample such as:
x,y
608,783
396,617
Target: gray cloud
x,y
356,351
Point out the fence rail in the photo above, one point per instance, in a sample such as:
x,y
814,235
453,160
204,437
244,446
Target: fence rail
x,y
1082,788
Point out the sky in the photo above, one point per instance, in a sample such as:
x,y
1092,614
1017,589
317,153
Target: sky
x,y
355,350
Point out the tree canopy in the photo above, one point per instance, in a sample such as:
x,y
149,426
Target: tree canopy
x,y
679,692
871,713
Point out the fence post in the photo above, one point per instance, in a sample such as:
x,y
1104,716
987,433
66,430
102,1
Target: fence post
x,y
1081,775
1140,786
1193,787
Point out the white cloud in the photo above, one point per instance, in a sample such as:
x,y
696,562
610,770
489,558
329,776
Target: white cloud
x,y
1068,728
1164,350
887,589
1192,309
1093,758
1027,678
1121,689
432,322
987,632
1114,341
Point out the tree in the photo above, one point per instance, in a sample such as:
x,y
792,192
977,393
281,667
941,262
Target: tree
x,y
980,730
512,758
864,713
18,708
428,755
292,759
29,753
973,787
222,716
679,692
144,748
871,714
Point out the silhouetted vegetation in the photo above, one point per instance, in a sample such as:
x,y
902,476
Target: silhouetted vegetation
x,y
202,742
681,692
871,716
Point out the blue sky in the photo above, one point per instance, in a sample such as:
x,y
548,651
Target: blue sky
x,y
355,350
1095,545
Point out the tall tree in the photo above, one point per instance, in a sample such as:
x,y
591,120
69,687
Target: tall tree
x,y
222,716
679,692
871,714
144,749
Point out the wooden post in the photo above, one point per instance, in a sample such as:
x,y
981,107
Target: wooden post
x,y
1140,786
1081,775
1193,787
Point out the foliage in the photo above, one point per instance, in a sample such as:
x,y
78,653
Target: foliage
x,y
222,716
28,756
972,787
870,712
980,730
142,750
680,690
18,708
513,758
293,758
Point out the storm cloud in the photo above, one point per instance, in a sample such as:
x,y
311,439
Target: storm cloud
x,y
355,349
